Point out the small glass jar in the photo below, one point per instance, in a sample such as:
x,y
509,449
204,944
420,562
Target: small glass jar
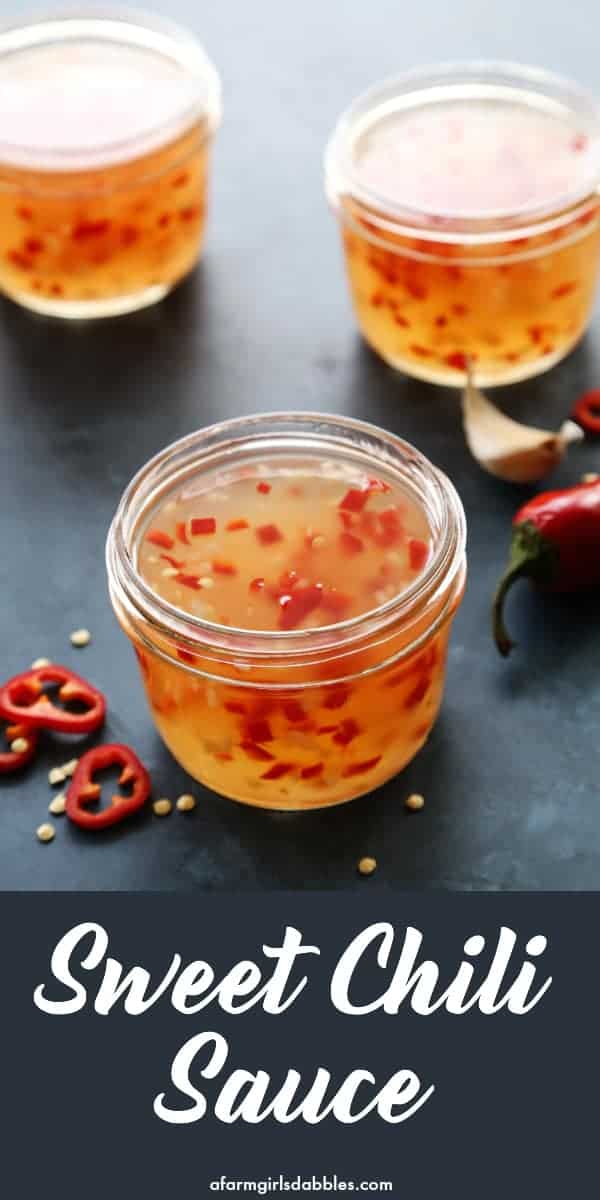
x,y
106,122
508,289
380,674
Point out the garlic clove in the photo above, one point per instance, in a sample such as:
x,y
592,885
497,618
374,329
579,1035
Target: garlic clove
x,y
507,449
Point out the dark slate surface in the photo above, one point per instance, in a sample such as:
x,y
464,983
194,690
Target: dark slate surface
x,y
511,772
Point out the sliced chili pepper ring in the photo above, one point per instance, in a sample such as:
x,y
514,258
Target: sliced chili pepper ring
x,y
83,790
13,760
587,412
23,699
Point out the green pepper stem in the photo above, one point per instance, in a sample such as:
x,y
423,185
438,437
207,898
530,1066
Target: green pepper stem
x,y
531,557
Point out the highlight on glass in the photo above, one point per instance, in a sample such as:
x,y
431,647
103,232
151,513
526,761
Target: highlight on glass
x,y
467,196
288,583
106,122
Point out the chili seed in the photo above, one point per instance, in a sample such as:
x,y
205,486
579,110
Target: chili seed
x,y
80,637
162,808
40,662
185,803
19,746
367,865
415,802
45,832
58,805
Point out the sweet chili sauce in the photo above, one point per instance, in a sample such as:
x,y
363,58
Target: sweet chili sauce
x,y
470,223
105,130
290,547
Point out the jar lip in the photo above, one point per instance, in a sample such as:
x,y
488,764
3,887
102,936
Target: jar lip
x,y
446,559
117,25
342,177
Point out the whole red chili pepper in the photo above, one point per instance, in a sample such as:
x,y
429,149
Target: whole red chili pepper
x,y
13,760
555,543
23,699
83,790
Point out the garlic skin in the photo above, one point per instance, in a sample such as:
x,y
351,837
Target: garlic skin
x,y
505,448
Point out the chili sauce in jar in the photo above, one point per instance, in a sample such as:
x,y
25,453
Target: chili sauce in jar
x,y
106,123
468,204
288,583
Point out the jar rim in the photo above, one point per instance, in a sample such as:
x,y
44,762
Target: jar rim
x,y
284,430
473,75
118,25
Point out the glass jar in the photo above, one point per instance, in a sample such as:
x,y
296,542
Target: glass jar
x,y
436,282
379,675
106,122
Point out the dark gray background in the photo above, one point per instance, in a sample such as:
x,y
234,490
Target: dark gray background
x,y
513,1113
510,774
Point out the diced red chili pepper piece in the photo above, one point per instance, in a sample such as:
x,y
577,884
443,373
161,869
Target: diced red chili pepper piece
x,y
327,729
288,580
256,752
89,229
181,180
82,789
268,534
391,529
334,602
263,487
278,770
189,581
258,731
18,259
23,699
347,732
579,142
419,351
222,567
313,771
224,757
401,321
587,412
298,604
459,310
33,245
337,698
354,500
350,543
378,485
159,538
234,706
256,585
293,710
13,760
418,693
129,235
457,360
173,562
24,212
200,525
237,523
418,553
362,767
181,532
441,321
185,655
564,289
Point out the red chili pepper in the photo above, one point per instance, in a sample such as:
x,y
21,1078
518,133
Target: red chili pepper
x,y
555,543
350,543
313,771
190,581
268,534
263,487
237,523
202,525
297,605
181,532
418,553
278,770
159,538
83,790
23,699
587,412
13,760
